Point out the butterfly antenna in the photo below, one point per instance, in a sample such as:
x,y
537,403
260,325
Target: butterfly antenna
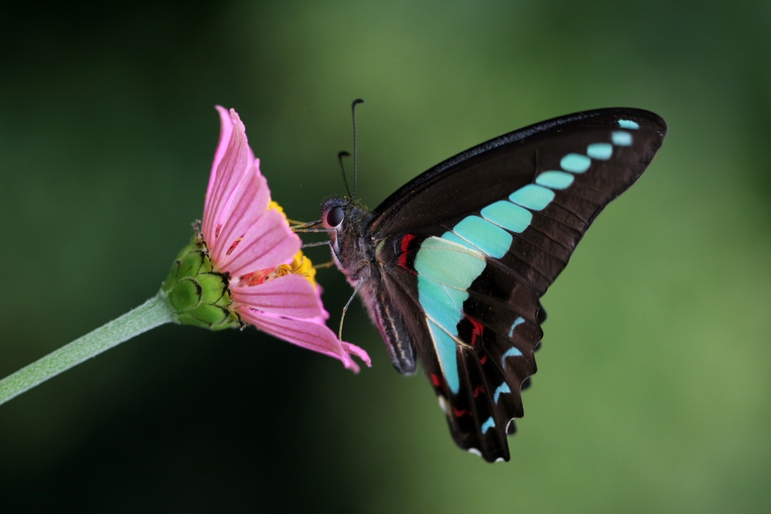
x,y
355,149
340,157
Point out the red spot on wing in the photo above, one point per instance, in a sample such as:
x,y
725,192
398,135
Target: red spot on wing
x,y
406,240
476,331
460,412
483,359
404,246
478,390
436,380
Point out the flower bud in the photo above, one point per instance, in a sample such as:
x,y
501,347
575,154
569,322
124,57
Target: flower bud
x,y
199,295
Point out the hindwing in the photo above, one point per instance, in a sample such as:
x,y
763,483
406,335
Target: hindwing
x,y
475,341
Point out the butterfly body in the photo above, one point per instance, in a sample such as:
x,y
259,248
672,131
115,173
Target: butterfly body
x,y
358,255
451,267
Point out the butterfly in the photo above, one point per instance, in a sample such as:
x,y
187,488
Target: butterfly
x,y
451,267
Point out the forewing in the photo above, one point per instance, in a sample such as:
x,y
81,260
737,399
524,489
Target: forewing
x,y
562,172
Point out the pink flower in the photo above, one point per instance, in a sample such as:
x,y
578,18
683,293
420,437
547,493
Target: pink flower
x,y
272,284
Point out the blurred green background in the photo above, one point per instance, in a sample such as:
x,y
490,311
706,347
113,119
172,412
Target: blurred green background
x,y
653,387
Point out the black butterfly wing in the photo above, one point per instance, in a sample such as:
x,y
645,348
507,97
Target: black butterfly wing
x,y
493,359
471,180
467,248
496,337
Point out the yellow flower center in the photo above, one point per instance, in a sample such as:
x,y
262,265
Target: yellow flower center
x,y
276,207
300,265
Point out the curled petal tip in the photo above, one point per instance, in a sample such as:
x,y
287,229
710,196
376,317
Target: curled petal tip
x,y
352,349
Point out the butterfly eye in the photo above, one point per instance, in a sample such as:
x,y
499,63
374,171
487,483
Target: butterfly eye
x,y
335,216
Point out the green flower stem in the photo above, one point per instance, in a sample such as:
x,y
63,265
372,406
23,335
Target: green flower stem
x,y
150,314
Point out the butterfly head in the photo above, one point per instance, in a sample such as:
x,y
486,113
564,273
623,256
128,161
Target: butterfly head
x,y
347,223
333,212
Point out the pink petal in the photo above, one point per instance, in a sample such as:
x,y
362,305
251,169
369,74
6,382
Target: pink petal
x,y
307,334
267,243
226,132
291,295
225,175
237,192
242,213
358,352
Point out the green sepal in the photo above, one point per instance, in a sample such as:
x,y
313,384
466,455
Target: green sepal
x,y
199,295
